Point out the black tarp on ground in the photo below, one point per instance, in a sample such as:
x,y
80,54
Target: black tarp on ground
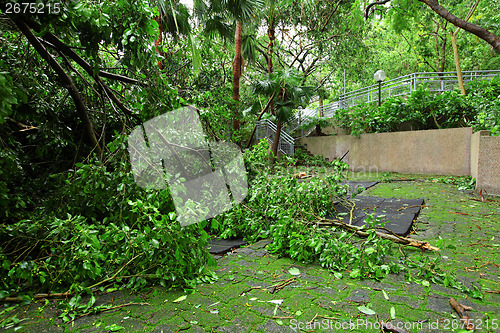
x,y
397,214
221,246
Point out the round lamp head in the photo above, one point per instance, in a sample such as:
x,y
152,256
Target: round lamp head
x,y
379,76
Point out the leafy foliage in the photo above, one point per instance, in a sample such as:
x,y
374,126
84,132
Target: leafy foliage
x,y
75,221
424,110
285,85
100,230
462,183
289,211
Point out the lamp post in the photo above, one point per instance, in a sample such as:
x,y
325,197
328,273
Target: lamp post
x,y
379,77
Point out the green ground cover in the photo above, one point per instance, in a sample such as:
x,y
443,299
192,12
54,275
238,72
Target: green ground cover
x,y
463,226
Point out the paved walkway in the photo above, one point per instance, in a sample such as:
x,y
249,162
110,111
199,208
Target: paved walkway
x,y
315,300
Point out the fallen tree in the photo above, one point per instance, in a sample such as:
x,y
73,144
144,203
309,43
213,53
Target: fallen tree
x,y
389,235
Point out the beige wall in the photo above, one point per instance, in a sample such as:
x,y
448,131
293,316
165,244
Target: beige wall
x,y
474,153
332,147
488,165
454,151
443,152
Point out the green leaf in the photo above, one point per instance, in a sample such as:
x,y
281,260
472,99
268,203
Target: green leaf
x,y
366,310
370,250
195,54
294,271
180,299
114,328
385,295
393,313
95,242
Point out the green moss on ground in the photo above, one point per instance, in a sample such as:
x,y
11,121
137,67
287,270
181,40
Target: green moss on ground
x,y
464,227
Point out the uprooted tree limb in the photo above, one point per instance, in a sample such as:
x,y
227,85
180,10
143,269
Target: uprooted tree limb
x,y
389,236
66,80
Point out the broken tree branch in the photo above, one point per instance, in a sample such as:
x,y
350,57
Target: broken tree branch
x,y
281,285
459,308
392,237
249,289
37,296
260,116
66,81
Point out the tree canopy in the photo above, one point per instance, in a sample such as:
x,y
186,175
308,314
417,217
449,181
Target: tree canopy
x,y
76,77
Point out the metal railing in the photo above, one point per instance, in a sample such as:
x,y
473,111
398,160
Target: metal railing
x,y
401,86
266,129
305,116
405,85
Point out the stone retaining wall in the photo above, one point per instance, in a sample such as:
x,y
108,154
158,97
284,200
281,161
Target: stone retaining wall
x,y
454,151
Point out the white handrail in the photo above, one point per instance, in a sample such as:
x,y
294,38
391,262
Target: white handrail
x,y
405,85
266,129
400,86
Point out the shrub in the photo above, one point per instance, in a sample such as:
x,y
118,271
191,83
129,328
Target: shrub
x,y
424,110
100,227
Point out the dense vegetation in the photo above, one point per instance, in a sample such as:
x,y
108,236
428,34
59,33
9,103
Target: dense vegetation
x,y
422,110
75,82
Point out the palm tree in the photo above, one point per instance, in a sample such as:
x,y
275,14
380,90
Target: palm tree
x,y
222,16
172,19
285,86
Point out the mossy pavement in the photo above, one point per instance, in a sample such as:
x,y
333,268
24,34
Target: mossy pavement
x,y
466,228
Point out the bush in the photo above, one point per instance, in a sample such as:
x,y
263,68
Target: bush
x,y
484,96
423,110
101,227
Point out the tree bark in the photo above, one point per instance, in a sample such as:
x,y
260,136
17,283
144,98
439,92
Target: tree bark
x,y
457,63
65,79
480,32
68,51
443,51
274,147
237,73
270,49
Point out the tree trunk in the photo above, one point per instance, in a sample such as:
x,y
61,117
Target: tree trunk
x,y
443,51
237,73
270,49
66,80
319,132
274,147
457,63
480,32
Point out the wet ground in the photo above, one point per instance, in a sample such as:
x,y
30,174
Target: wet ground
x,y
313,299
